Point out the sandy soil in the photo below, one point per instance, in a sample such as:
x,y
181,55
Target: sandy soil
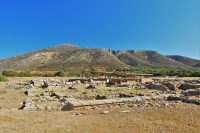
x,y
182,118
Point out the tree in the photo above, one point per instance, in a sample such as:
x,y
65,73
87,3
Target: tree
x,y
60,73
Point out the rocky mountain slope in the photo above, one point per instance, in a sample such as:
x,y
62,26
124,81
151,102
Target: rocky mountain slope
x,y
185,60
146,58
74,58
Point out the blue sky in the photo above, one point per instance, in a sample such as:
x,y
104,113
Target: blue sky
x,y
168,26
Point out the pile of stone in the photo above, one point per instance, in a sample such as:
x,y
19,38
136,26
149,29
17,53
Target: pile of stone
x,y
70,104
191,92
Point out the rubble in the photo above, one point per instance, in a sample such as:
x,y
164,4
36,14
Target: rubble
x,y
157,86
191,92
59,94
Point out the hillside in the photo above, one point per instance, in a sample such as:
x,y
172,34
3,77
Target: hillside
x,y
146,58
65,57
74,58
185,60
197,65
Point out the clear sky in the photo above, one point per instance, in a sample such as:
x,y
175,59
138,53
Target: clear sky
x,y
168,26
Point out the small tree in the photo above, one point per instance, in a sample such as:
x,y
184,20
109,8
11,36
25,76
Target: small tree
x,y
10,73
60,73
2,78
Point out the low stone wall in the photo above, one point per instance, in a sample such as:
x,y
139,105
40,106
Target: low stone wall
x,y
70,104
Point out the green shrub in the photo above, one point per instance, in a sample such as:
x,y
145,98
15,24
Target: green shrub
x,y
60,74
2,78
10,73
166,71
23,74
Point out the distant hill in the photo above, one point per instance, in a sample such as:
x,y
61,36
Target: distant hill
x,y
197,65
146,58
185,60
74,58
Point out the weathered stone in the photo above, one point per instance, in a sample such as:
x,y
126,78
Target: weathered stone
x,y
122,95
28,105
98,97
157,86
189,86
49,108
191,92
45,85
40,107
125,111
105,112
71,88
91,87
171,86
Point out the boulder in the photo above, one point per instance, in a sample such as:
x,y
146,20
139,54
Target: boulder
x,y
191,92
189,86
28,105
45,85
98,97
49,108
171,86
157,86
91,87
71,88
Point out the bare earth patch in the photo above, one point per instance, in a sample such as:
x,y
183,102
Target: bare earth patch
x,y
182,118
178,118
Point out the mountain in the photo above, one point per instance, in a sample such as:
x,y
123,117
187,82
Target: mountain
x,y
185,60
74,58
197,65
146,58
65,57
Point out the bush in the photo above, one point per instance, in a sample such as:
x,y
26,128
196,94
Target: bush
x,y
2,78
9,73
23,74
60,74
166,71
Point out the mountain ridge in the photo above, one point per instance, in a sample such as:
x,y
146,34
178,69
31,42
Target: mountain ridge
x,y
75,58
185,60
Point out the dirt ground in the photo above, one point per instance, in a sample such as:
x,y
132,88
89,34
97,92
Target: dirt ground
x,y
180,118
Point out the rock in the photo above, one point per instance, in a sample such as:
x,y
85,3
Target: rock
x,y
98,97
171,86
173,98
32,82
104,112
49,108
26,92
57,95
191,92
122,95
28,105
189,86
79,114
166,104
157,86
29,93
71,88
45,85
193,101
91,87
125,111
40,107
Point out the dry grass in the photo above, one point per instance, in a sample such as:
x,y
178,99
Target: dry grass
x,y
10,98
182,118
